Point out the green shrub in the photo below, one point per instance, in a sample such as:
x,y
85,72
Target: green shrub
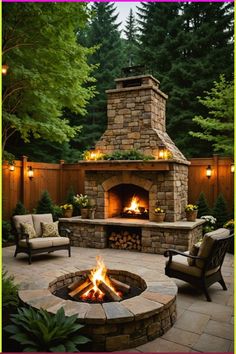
x,y
70,196
203,208
45,204
6,231
20,209
220,211
57,212
128,155
9,291
39,331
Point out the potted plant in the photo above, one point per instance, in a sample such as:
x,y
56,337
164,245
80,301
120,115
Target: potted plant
x,y
230,226
210,223
67,210
191,212
83,202
159,215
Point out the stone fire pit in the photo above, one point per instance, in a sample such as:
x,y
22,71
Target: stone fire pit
x,y
115,325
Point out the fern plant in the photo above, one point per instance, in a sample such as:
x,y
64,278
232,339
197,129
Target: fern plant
x,y
39,331
128,155
9,291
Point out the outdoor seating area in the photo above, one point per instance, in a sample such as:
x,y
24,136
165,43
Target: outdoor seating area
x,y
200,326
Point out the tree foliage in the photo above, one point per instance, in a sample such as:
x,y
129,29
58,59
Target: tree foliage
x,y
203,207
131,42
218,126
48,69
187,45
220,211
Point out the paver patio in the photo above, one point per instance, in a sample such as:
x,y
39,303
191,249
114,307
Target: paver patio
x,y
200,327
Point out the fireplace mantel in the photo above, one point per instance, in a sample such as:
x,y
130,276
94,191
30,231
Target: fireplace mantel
x,y
124,165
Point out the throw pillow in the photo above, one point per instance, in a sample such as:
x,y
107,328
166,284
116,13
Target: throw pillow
x,y
50,229
193,252
28,229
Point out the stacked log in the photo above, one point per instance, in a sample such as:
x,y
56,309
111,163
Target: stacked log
x,y
125,240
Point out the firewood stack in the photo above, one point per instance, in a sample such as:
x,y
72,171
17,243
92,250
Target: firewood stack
x,y
125,240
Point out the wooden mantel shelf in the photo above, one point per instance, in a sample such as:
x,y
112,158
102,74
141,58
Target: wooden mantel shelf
x,y
124,165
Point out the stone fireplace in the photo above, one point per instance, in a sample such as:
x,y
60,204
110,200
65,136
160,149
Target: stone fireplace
x,y
136,111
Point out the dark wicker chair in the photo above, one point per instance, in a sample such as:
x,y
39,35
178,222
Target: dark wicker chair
x,y
39,244
209,271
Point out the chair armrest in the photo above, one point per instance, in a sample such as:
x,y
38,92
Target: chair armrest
x,y
171,252
65,232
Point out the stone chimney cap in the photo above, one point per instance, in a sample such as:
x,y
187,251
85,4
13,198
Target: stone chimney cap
x,y
137,77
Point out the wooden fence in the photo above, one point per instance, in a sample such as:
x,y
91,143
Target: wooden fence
x,y
58,178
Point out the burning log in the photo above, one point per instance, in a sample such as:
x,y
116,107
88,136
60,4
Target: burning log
x,y
81,289
125,288
109,292
76,283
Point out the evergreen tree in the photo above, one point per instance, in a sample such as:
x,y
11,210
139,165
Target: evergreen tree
x,y
20,209
188,46
220,211
103,33
218,126
131,43
45,205
203,208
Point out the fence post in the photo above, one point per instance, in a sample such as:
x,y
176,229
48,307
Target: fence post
x,y
216,176
23,178
61,180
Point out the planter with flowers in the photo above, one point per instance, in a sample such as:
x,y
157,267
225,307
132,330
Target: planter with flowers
x,y
230,226
159,215
83,202
210,223
191,212
67,210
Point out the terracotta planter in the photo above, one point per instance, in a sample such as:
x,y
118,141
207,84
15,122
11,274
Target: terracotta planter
x,y
84,213
191,215
159,217
68,213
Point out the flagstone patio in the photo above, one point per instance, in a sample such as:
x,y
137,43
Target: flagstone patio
x,y
200,327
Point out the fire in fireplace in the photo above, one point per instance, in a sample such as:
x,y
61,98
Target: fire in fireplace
x,y
134,209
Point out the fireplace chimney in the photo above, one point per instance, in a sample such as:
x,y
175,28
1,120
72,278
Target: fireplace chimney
x,y
136,111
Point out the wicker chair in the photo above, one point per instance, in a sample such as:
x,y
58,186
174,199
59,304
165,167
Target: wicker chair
x,y
208,261
38,244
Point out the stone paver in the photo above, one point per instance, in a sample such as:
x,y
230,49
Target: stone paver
x,y
208,343
214,331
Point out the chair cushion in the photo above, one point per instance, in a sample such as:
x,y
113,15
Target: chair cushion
x,y
50,229
20,219
37,219
193,252
59,241
179,263
207,243
28,229
37,243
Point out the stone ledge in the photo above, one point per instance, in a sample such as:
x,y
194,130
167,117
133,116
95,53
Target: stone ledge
x,y
181,225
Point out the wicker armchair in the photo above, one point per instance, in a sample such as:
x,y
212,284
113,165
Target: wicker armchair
x,y
38,244
206,269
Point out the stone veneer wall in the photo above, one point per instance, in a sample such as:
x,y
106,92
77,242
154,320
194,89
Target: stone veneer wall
x,y
168,189
154,239
137,119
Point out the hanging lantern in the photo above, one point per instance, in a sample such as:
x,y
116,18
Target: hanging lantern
x,y
4,69
208,171
30,172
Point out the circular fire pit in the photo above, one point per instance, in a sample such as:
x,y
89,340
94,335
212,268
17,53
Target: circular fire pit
x,y
115,325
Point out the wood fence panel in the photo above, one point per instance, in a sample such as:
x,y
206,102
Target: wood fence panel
x,y
58,178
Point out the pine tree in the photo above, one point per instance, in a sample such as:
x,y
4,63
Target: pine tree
x,y
102,32
131,43
20,209
45,205
203,208
220,211
188,46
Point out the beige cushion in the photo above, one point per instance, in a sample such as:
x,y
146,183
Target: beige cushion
x,y
37,219
179,263
20,219
36,243
59,241
207,243
50,229
28,229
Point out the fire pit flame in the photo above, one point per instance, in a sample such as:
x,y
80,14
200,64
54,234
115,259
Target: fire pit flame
x,y
98,276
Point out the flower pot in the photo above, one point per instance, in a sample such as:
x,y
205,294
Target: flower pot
x,y
191,215
68,213
159,217
84,213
